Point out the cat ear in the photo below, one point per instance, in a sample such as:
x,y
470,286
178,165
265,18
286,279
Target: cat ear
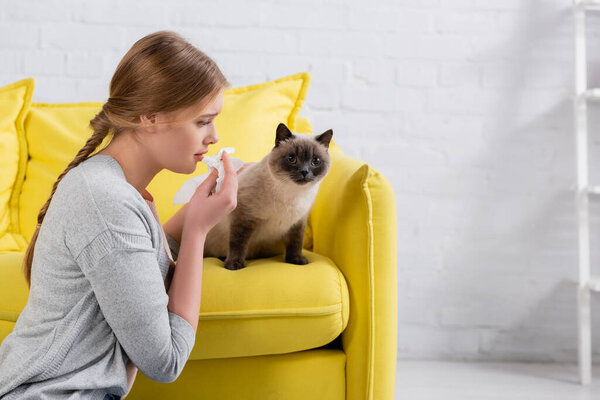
x,y
324,138
283,133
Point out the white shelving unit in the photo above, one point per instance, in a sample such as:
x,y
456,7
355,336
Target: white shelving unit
x,y
585,191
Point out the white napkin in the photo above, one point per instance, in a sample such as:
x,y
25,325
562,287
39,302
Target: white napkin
x,y
187,190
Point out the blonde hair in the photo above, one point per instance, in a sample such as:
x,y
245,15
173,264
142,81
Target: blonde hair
x,y
162,72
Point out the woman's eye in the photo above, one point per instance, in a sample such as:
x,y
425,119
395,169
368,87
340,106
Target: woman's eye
x,y
202,123
292,158
316,161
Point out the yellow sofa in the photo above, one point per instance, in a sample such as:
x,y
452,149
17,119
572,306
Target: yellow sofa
x,y
325,330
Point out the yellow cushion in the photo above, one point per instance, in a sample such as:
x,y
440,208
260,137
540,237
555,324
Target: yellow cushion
x,y
15,100
250,115
269,307
13,290
54,134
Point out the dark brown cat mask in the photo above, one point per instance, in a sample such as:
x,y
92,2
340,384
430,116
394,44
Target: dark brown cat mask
x,y
297,158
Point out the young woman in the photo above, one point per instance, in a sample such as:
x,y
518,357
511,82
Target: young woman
x,y
105,297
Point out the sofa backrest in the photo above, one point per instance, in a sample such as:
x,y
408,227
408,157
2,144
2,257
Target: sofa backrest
x,y
52,134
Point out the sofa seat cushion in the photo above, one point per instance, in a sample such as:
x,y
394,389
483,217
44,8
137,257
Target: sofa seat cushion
x,y
269,307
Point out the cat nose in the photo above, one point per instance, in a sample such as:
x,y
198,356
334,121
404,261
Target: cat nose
x,y
304,172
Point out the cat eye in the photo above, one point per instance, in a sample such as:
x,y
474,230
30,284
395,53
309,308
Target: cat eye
x,y
316,161
292,158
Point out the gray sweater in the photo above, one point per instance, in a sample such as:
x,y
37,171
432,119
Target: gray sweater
x,y
97,296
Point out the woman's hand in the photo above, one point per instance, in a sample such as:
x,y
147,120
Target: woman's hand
x,y
206,208
174,226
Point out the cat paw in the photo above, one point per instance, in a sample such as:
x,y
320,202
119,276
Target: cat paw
x,y
234,264
298,260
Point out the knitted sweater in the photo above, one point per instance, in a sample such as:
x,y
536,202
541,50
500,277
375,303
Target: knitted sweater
x,y
97,296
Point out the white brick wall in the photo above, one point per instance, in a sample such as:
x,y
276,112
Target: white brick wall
x,y
464,105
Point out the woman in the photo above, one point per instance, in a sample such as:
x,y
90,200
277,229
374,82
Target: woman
x,y
105,298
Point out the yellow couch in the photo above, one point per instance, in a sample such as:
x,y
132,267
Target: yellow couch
x,y
325,330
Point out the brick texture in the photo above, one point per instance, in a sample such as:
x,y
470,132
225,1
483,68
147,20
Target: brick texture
x,y
464,105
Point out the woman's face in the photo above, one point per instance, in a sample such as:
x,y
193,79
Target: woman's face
x,y
174,145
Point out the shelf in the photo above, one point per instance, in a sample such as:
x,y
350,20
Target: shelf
x,y
594,284
590,190
592,94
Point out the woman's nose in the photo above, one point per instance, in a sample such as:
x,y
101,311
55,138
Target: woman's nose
x,y
213,137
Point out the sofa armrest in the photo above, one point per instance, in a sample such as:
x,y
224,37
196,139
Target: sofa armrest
x,y
353,222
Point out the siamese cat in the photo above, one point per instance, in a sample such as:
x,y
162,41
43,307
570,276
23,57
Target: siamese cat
x,y
274,198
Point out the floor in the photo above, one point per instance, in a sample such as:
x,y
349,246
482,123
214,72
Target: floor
x,y
445,380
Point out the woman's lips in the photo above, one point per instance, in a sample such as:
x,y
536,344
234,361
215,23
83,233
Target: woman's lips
x,y
198,157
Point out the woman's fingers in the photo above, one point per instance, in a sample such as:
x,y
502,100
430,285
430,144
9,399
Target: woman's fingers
x,y
209,183
226,161
229,172
229,187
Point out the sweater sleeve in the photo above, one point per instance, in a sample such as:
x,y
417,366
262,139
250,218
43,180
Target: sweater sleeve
x,y
110,237
109,231
125,277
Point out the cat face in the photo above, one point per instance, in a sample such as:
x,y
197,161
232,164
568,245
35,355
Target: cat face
x,y
300,159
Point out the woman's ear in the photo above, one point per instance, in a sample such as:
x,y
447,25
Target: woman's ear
x,y
147,120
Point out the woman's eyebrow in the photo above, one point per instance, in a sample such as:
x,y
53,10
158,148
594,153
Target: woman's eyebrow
x,y
207,115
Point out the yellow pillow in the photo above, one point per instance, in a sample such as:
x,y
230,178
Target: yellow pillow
x,y
54,134
250,115
15,100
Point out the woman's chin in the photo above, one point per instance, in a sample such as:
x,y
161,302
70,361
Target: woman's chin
x,y
188,169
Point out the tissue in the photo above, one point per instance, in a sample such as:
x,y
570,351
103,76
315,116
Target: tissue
x,y
187,190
